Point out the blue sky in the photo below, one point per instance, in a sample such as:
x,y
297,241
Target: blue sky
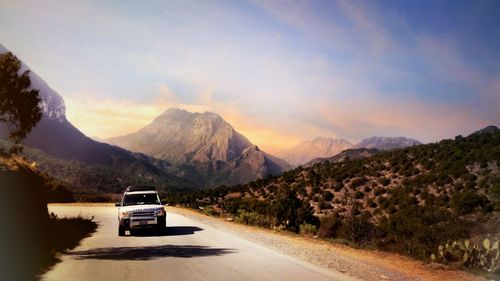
x,y
279,71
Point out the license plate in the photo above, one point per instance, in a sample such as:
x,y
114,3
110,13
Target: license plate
x,y
143,222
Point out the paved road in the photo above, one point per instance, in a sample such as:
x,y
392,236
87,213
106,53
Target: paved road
x,y
188,250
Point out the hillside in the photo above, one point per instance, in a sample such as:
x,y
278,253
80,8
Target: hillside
x,y
346,155
205,142
76,180
408,200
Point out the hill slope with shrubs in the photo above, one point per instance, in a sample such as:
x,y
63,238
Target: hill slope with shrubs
x,y
409,200
72,180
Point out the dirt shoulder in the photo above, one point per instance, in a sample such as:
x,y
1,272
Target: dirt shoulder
x,y
363,264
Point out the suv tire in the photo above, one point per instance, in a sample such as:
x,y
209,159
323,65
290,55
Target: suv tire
x,y
121,231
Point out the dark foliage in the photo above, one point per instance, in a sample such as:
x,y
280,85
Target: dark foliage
x,y
293,211
32,238
417,230
18,102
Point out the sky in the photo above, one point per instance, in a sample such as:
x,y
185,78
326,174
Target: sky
x,y
280,72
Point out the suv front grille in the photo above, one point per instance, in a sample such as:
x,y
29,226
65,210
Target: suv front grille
x,y
143,214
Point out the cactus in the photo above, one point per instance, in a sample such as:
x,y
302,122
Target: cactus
x,y
462,246
486,244
469,254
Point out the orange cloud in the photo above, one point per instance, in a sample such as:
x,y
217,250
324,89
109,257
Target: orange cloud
x,y
108,118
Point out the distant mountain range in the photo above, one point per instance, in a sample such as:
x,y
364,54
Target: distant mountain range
x,y
386,143
323,147
206,142
318,147
348,154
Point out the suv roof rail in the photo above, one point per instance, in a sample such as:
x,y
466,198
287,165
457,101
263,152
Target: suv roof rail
x,y
140,188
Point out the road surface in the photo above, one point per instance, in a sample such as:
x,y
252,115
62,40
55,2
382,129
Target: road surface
x,y
188,250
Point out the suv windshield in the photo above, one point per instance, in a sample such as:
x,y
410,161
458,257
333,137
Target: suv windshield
x,y
140,199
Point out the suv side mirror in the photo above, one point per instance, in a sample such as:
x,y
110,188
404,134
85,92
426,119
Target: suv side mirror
x,y
118,204
164,202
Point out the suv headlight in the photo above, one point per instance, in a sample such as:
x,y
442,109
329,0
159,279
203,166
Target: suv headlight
x,y
126,215
160,212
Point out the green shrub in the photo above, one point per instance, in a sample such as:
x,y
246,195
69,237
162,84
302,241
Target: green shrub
x,y
359,195
308,229
357,228
329,226
327,196
253,218
465,201
419,229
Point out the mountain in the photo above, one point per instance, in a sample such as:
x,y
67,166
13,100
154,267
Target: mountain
x,y
386,143
489,130
205,141
318,147
348,154
310,152
57,137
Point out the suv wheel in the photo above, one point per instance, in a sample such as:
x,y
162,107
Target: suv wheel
x,y
159,228
121,231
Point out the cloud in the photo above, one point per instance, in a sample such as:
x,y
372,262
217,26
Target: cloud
x,y
279,71
443,57
425,121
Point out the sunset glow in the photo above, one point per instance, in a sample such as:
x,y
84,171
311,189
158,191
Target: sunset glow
x,y
279,71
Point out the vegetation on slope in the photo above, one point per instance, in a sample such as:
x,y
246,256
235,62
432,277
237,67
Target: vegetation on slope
x,y
409,200
71,180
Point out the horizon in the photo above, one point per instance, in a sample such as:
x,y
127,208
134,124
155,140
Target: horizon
x,y
306,140
374,68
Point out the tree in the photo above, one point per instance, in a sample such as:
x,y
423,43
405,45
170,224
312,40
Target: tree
x,y
292,212
18,102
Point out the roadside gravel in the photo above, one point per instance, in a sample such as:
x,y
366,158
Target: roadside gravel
x,y
362,264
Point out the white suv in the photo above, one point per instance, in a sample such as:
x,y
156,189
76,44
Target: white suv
x,y
140,208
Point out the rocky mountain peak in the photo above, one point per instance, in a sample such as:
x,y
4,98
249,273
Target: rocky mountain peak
x,y
182,137
205,141
52,104
317,147
386,143
325,142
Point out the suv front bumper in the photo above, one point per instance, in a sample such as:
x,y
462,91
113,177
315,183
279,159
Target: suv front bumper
x,y
143,222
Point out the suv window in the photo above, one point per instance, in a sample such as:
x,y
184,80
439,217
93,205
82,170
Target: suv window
x,y
140,199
